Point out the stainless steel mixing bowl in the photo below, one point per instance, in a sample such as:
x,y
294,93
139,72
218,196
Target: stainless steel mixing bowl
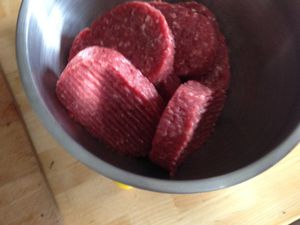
x,y
260,122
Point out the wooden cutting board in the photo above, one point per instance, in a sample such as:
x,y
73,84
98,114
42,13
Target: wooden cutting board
x,y
87,198
25,197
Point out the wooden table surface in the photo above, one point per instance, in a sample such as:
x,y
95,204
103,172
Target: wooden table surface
x,y
25,197
87,198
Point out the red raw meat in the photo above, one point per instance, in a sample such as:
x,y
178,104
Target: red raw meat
x,y
168,86
219,77
201,9
81,41
185,125
195,39
105,93
141,33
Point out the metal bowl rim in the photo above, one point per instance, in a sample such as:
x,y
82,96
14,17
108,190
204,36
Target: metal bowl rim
x,y
112,172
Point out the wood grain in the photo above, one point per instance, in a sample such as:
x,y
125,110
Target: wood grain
x,y
24,195
87,198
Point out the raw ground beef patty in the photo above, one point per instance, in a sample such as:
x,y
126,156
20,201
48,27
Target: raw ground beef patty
x,y
140,32
106,94
170,149
185,124
219,76
195,38
81,41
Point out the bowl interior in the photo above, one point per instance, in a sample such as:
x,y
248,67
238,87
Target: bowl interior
x,y
263,105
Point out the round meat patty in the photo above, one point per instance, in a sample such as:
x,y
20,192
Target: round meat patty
x,y
106,94
219,76
141,33
185,125
81,41
195,39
